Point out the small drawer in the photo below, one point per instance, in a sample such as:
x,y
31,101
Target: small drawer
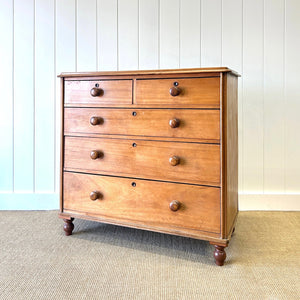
x,y
168,161
161,204
174,123
201,92
98,92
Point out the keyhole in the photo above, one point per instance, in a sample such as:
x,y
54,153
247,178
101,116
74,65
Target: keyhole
x,y
97,85
176,83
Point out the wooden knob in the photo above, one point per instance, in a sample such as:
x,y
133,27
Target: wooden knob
x,y
174,123
174,160
175,91
96,92
95,195
175,205
96,154
95,121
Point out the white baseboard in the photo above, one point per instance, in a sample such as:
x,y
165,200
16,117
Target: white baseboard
x,y
280,202
49,201
29,201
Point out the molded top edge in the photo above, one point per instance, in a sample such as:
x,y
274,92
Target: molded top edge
x,y
150,72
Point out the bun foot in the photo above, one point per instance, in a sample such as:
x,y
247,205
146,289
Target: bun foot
x,y
219,255
68,226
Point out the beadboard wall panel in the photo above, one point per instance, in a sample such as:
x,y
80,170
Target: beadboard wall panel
x,y
189,34
292,96
253,91
169,34
128,24
24,96
86,27
107,35
258,38
44,110
211,33
273,96
6,87
148,34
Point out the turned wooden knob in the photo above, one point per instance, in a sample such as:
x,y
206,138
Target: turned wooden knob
x,y
95,121
175,91
95,195
175,205
96,92
174,123
174,160
96,154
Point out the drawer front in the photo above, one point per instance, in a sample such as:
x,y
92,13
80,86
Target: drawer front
x,y
175,123
202,92
103,91
170,161
135,200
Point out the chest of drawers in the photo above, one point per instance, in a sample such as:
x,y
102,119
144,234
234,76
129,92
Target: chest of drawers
x,y
154,150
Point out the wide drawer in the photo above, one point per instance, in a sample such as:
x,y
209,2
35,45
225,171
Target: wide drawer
x,y
174,123
98,92
143,201
202,92
170,161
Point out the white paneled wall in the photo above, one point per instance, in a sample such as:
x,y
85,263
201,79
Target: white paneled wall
x,y
258,38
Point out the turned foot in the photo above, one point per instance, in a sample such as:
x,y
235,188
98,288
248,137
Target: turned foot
x,y
68,226
220,255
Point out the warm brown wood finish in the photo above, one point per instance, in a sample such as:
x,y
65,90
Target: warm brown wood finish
x,y
190,91
230,151
178,123
155,150
146,201
98,92
219,255
69,226
199,163
151,73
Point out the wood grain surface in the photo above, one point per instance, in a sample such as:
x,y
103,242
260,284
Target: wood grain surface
x,y
198,124
199,163
146,201
192,91
113,92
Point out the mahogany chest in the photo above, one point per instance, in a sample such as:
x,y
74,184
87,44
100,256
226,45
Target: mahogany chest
x,y
155,150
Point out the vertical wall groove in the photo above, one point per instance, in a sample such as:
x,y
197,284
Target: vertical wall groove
x,y
76,38
284,98
34,95
13,97
55,137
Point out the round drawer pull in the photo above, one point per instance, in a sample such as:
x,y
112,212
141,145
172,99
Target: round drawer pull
x,y
95,195
175,90
134,113
96,92
133,184
174,205
134,144
96,154
174,160
174,123
96,121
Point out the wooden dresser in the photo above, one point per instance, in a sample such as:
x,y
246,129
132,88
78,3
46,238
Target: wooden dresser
x,y
155,150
